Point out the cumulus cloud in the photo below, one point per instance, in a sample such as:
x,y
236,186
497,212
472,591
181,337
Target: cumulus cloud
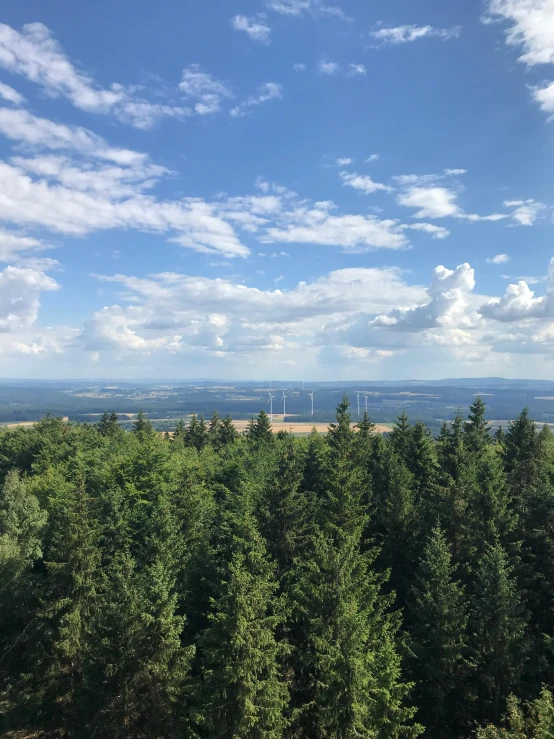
x,y
432,202
13,246
36,55
20,290
407,34
171,311
448,305
362,182
519,302
356,69
255,28
266,92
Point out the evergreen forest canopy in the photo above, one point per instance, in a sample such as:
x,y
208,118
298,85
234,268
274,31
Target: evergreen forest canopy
x,y
266,586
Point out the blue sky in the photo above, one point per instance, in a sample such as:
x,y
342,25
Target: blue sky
x,y
289,188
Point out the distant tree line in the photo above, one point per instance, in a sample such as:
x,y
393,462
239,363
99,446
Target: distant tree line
x,y
210,585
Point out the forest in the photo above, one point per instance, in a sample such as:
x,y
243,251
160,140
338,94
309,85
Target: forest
x,y
265,586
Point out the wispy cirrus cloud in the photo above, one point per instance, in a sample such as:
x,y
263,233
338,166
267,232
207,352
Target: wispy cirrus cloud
x,y
36,55
266,92
406,34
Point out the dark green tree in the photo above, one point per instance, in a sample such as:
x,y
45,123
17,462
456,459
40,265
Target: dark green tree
x,y
437,617
498,633
244,694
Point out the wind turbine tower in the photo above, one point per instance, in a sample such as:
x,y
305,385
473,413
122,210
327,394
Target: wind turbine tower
x,y
270,401
284,399
366,395
358,395
312,397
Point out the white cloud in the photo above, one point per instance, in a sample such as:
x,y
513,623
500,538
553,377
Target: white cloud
x,y
255,28
327,67
448,306
371,158
20,290
344,162
355,233
437,232
11,95
299,67
36,55
362,182
19,125
433,202
498,259
531,27
202,87
266,92
455,172
519,302
406,34
297,8
14,247
526,211
356,69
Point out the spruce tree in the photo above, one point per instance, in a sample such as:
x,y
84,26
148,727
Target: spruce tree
x,y
260,429
498,639
437,618
142,671
347,681
477,436
227,432
400,436
141,424
60,683
244,694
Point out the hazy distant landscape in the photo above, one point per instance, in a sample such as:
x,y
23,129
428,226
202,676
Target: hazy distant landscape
x,y
165,402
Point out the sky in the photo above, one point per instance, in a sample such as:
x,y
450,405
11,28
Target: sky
x,y
295,189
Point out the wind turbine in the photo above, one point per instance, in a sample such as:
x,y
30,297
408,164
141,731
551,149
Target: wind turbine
x,y
270,401
312,397
284,399
358,394
366,395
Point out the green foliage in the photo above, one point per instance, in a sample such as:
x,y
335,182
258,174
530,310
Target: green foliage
x,y
257,585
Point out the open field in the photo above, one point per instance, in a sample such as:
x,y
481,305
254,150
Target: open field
x,y
302,428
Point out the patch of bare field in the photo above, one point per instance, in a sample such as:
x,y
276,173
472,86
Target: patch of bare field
x,y
301,428
65,419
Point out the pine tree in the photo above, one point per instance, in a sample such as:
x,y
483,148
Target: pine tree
x,y
537,723
422,461
477,436
180,432
21,525
214,428
196,434
141,424
394,520
143,682
260,429
497,625
400,436
284,509
108,424
244,694
60,683
227,432
437,618
347,681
